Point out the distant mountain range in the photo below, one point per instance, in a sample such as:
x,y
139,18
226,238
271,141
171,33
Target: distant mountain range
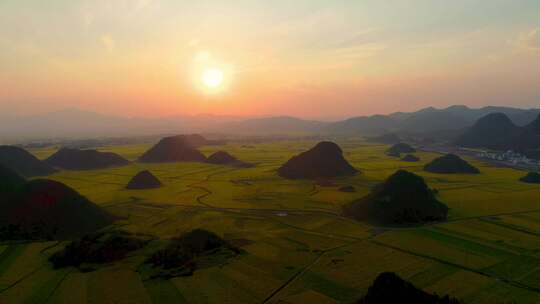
x,y
82,124
428,120
75,123
497,131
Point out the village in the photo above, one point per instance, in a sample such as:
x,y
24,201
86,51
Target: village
x,y
509,156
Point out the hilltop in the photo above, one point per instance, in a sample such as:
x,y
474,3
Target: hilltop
x,y
224,158
144,180
173,149
325,160
491,131
23,163
450,164
197,140
75,159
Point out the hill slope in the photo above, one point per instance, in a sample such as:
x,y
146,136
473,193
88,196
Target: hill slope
x,y
23,163
10,182
46,209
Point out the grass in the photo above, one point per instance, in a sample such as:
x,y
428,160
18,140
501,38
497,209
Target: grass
x,y
299,243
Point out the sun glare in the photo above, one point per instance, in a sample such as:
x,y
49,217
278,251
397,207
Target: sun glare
x,y
211,75
212,78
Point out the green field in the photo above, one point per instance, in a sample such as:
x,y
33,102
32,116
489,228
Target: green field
x,y
487,252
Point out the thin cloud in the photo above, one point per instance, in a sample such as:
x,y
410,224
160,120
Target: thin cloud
x,y
361,38
529,40
141,5
108,42
88,19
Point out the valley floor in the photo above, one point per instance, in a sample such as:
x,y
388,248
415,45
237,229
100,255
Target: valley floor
x,y
299,249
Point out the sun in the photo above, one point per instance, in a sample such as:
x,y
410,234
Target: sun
x,y
212,78
211,75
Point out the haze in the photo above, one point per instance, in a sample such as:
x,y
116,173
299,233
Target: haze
x,y
311,59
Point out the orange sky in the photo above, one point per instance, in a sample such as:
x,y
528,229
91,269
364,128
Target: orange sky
x,y
315,59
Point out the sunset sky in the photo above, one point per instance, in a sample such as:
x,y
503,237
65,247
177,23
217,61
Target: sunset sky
x,y
306,58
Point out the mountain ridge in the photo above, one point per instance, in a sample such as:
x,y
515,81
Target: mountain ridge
x,y
76,123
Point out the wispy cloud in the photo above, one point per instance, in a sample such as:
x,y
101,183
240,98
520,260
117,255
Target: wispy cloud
x,y
108,42
142,4
88,19
529,40
363,37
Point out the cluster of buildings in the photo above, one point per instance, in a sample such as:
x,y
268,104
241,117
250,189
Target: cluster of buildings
x,y
509,156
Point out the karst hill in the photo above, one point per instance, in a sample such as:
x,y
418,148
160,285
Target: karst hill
x,y
144,180
76,159
450,164
323,161
404,198
173,149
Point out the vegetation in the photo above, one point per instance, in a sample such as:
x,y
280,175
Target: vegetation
x,y
97,248
399,148
388,287
450,164
181,256
325,160
404,198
